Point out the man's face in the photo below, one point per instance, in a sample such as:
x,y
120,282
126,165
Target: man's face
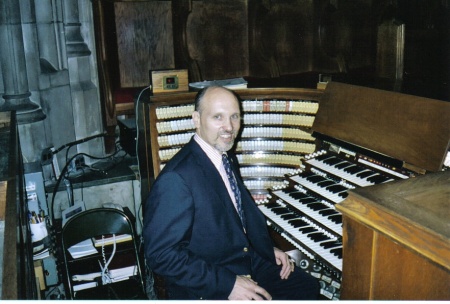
x,y
219,119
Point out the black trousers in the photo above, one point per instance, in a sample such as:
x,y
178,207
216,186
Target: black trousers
x,y
299,286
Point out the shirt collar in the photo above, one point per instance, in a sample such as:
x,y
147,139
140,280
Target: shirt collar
x,y
214,155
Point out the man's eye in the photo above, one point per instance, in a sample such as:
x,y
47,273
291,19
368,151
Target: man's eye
x,y
217,117
235,117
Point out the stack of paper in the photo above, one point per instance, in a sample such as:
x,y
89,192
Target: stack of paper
x,y
41,255
232,83
82,249
115,274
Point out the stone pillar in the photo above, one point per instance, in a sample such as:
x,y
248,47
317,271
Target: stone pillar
x,y
82,67
75,44
13,66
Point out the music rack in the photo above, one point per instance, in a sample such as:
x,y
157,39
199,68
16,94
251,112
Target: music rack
x,y
276,132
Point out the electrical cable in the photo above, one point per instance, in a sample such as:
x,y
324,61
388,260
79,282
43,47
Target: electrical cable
x,y
65,173
106,278
79,141
69,190
137,146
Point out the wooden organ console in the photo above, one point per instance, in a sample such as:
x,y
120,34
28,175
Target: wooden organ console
x,y
303,151
365,137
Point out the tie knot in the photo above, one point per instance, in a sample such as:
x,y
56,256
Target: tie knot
x,y
225,158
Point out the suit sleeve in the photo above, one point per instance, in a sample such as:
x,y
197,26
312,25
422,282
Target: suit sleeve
x,y
168,221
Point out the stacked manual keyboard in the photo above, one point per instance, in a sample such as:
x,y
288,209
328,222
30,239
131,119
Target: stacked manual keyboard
x,y
303,212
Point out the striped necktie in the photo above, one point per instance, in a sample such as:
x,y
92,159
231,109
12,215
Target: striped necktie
x,y
234,187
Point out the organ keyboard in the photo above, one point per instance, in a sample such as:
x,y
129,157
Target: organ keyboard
x,y
303,210
302,151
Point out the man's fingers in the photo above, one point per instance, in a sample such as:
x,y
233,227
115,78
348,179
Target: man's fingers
x,y
262,294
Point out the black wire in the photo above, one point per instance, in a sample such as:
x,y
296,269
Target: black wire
x,y
65,169
79,142
52,291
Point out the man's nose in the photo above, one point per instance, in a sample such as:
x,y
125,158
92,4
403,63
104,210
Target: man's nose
x,y
228,124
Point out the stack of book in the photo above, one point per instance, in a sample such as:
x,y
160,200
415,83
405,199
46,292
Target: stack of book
x,y
82,249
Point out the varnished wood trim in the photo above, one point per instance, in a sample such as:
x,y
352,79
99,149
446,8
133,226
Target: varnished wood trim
x,y
418,238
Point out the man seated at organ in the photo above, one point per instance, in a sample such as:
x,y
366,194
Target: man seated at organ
x,y
202,230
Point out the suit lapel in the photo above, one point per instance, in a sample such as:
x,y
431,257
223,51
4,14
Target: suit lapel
x,y
213,180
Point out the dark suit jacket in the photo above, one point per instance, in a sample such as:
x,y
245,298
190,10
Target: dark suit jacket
x,y
193,236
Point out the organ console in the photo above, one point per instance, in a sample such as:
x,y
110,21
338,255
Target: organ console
x,y
302,153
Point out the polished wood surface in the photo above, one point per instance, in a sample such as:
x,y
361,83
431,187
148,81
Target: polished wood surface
x,y
409,128
397,240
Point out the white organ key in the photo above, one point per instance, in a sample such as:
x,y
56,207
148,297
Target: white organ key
x,y
334,197
305,238
363,181
308,211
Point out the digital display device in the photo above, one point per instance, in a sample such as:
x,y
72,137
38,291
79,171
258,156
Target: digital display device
x,y
170,82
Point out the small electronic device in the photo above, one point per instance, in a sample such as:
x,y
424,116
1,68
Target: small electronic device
x,y
169,81
127,134
71,211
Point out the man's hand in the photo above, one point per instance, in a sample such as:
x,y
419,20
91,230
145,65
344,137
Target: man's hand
x,y
247,289
287,266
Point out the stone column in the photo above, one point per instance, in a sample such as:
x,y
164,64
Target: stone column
x,y
13,66
82,68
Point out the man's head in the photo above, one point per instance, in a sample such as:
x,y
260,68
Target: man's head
x,y
217,117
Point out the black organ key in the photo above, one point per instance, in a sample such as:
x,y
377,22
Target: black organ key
x,y
290,190
343,194
354,169
336,218
272,205
377,179
331,244
337,252
325,183
318,206
316,178
299,195
298,223
289,216
318,237
307,201
280,210
323,157
308,229
343,165
365,174
332,160
328,212
336,188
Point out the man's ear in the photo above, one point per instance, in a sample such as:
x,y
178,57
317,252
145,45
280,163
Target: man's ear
x,y
196,119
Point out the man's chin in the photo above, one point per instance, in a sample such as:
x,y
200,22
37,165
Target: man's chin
x,y
224,147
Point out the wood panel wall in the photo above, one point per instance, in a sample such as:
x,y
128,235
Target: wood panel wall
x,y
268,39
144,40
